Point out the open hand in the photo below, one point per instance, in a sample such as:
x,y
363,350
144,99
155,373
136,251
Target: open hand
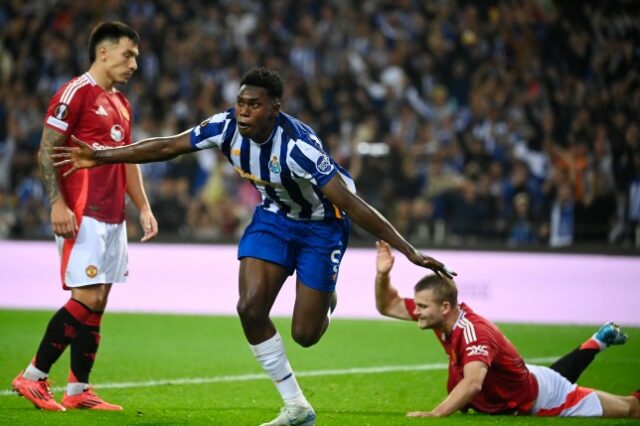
x,y
384,258
431,263
82,157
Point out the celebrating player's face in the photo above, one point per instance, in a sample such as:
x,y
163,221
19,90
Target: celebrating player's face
x,y
429,310
120,59
255,113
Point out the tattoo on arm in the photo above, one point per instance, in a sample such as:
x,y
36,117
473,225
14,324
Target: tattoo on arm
x,y
48,172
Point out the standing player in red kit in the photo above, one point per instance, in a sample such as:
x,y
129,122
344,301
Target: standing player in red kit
x,y
486,372
87,215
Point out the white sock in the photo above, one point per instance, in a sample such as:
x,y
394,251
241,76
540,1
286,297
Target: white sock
x,y
76,388
600,343
270,354
32,373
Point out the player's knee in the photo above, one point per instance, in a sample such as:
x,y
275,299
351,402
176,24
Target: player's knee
x,y
250,312
305,338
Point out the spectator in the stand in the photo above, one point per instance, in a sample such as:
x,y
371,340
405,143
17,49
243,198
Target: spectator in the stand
x,y
33,205
562,217
634,201
519,181
595,211
8,145
170,204
201,221
522,230
8,214
470,214
408,184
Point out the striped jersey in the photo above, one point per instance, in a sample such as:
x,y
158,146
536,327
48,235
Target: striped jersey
x,y
102,118
289,169
508,386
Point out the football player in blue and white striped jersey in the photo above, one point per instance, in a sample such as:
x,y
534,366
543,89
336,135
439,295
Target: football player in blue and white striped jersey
x,y
302,224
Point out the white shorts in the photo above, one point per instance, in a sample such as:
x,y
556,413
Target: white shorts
x,y
98,254
557,396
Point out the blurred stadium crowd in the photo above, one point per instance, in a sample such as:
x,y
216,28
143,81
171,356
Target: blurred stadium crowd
x,y
464,122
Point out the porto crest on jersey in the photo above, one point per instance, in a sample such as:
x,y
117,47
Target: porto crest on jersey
x,y
274,165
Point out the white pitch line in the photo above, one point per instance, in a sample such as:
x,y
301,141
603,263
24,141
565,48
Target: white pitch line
x,y
262,376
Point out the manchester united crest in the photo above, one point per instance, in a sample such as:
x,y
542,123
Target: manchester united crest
x,y
91,271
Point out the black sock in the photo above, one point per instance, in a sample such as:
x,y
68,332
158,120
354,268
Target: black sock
x,y
62,329
574,363
84,348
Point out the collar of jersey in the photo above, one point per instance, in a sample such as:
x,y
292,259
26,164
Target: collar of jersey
x,y
273,132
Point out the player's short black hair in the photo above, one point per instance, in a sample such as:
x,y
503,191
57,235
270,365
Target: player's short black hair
x,y
443,288
265,78
110,30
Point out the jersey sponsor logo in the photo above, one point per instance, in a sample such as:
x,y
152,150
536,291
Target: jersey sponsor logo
x,y
255,178
481,350
101,111
235,151
61,111
97,145
274,165
91,271
323,165
117,133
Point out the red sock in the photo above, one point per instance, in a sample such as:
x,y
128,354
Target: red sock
x,y
591,344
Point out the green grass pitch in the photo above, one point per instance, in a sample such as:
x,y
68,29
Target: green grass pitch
x,y
178,369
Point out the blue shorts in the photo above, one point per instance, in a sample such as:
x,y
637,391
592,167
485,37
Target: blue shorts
x,y
313,249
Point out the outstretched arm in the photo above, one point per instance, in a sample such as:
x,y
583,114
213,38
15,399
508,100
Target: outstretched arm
x,y
371,220
144,151
388,300
461,395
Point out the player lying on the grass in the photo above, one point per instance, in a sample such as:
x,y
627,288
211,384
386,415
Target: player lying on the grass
x,y
486,372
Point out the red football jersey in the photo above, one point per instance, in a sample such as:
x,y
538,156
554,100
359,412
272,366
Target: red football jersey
x,y
508,386
102,118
